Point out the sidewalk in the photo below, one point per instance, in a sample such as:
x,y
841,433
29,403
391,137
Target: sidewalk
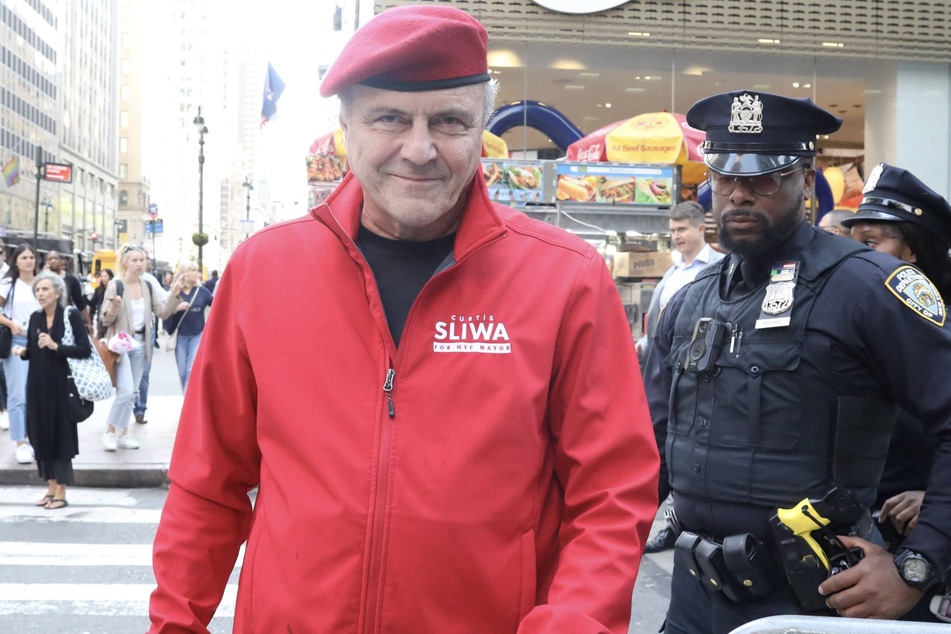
x,y
123,468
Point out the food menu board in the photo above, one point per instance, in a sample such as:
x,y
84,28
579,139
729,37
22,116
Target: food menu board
x,y
514,181
617,184
324,168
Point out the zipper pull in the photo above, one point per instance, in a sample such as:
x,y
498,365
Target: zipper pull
x,y
388,388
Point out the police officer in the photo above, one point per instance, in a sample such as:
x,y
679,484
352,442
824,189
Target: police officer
x,y
902,216
768,385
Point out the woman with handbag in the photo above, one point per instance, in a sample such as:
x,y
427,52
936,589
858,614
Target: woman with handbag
x,y
127,310
16,293
51,427
188,322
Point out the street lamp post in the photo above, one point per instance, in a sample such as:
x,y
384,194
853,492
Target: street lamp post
x,y
202,131
247,205
47,205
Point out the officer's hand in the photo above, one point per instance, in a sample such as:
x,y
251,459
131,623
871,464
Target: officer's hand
x,y
872,588
903,509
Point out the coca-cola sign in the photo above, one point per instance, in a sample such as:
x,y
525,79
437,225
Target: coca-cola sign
x,y
575,6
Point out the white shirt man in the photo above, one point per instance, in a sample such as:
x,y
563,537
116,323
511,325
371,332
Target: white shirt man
x,y
691,254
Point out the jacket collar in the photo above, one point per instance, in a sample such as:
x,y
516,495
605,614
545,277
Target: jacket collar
x,y
479,224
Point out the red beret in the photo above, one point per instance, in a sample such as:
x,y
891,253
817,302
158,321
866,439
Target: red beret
x,y
412,48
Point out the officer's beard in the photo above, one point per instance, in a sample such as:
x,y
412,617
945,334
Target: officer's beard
x,y
771,231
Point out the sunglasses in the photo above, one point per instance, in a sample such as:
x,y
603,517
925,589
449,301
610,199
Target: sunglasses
x,y
761,185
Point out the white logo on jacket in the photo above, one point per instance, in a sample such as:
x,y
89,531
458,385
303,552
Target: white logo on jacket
x,y
472,333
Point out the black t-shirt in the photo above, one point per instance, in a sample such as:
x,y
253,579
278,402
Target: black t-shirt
x,y
401,269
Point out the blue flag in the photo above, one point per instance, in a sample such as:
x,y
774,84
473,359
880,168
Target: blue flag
x,y
273,87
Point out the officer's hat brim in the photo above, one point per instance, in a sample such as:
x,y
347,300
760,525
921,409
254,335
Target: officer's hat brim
x,y
747,164
872,215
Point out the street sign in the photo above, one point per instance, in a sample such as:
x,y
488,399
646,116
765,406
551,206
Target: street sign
x,y
153,210
154,226
58,172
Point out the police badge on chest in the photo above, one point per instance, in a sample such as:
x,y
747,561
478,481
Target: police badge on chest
x,y
778,303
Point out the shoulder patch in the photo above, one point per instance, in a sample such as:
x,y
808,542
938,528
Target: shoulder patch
x,y
917,293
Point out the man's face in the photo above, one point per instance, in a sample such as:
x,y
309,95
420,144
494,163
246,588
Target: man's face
x,y
751,225
686,237
55,261
415,154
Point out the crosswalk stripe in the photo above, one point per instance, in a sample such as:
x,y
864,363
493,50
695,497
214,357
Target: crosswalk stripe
x,y
26,496
75,513
44,565
89,599
43,554
47,554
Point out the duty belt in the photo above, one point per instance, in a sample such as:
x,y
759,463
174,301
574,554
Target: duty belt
x,y
740,566
743,568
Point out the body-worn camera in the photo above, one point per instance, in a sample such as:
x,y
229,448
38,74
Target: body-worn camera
x,y
708,338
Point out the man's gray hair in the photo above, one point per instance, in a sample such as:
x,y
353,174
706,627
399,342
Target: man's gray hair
x,y
488,102
58,285
688,210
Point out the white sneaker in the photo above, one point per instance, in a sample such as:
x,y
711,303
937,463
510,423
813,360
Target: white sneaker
x,y
128,442
4,420
24,453
109,441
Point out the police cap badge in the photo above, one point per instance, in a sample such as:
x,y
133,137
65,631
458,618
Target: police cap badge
x,y
751,132
893,194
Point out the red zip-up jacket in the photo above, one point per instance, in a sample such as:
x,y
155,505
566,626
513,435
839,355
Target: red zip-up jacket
x,y
496,473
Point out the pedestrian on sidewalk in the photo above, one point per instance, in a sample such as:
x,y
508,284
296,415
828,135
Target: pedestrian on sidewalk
x,y
16,292
189,318
4,414
54,436
56,262
142,396
130,310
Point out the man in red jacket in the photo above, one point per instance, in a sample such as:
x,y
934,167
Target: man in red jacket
x,y
440,405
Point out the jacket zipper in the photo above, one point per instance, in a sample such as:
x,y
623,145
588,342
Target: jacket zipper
x,y
378,522
388,388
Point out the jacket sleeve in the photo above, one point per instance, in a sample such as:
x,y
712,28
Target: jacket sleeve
x,y
165,306
658,378
606,461
910,370
215,463
31,339
107,298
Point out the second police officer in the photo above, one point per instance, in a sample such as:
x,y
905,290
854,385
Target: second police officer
x,y
774,397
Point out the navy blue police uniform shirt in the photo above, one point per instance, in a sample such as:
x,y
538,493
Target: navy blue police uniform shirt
x,y
858,328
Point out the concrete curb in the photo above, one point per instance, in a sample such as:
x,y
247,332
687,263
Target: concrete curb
x,y
141,476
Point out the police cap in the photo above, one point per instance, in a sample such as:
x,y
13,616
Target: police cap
x,y
412,48
893,194
751,132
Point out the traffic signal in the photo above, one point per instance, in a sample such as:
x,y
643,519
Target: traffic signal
x,y
94,237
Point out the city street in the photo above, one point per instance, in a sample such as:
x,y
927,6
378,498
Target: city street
x,y
86,569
